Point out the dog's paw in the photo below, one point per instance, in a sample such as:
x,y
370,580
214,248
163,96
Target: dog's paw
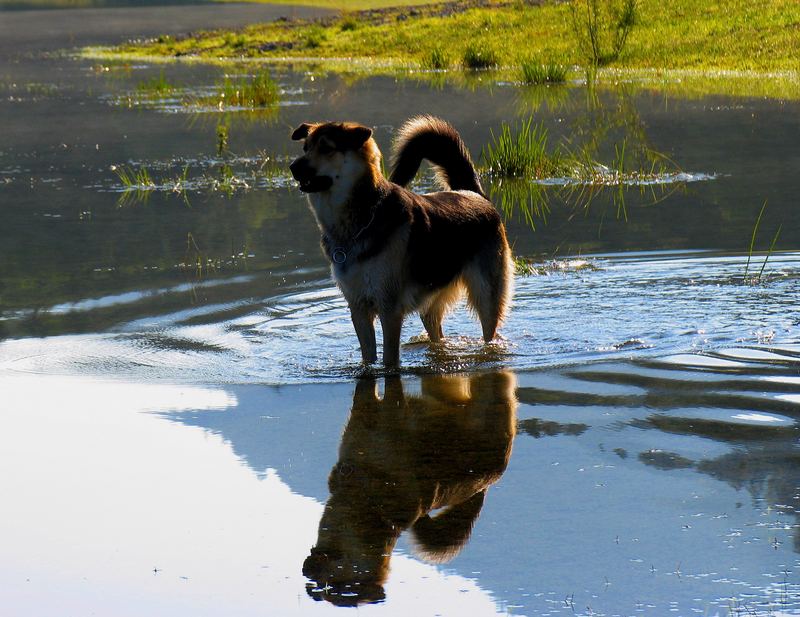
x,y
365,371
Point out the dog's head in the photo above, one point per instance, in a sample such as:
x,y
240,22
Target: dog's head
x,y
335,153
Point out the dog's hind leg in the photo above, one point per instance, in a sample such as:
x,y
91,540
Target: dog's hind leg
x,y
432,320
489,281
433,314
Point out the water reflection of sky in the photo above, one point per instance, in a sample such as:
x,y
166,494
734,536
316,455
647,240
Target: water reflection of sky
x,y
112,510
131,498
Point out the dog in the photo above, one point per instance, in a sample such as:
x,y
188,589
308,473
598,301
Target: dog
x,y
418,462
394,252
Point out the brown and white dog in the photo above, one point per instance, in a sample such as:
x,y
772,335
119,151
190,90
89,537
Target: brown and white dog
x,y
392,251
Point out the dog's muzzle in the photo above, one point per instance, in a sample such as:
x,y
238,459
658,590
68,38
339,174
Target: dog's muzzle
x,y
307,177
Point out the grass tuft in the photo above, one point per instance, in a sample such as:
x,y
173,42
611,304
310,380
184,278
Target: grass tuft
x,y
314,37
134,179
436,60
521,153
480,56
534,72
255,92
348,23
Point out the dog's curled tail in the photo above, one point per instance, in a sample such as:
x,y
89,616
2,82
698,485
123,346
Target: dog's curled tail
x,y
427,137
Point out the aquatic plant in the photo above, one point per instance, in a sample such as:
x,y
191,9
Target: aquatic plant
x,y
758,277
134,179
525,266
520,196
479,56
255,92
753,238
523,174
155,86
534,72
230,175
521,152
222,139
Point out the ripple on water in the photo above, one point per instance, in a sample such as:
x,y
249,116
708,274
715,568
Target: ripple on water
x,y
630,308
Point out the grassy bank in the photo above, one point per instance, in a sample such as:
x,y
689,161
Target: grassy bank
x,y
340,5
718,39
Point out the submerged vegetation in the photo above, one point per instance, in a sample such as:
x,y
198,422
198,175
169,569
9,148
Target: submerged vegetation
x,y
227,174
257,92
715,42
254,92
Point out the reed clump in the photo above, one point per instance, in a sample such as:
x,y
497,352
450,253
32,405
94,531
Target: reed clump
x,y
256,92
436,60
521,152
479,56
534,72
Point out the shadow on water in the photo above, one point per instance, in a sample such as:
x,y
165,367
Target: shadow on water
x,y
422,463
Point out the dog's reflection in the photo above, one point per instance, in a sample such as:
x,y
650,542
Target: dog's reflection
x,y
403,457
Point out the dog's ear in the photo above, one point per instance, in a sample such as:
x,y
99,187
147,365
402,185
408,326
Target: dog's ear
x,y
357,135
301,132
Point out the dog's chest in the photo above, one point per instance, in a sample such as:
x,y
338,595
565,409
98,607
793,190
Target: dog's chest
x,y
365,282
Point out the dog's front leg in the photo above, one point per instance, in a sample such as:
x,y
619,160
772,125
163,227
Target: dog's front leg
x,y
391,323
364,323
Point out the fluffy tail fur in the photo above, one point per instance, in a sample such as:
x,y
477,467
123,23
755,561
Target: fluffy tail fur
x,y
427,137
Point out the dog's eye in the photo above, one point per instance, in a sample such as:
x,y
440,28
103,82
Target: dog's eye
x,y
325,147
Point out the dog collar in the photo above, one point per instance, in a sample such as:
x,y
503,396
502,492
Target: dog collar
x,y
339,254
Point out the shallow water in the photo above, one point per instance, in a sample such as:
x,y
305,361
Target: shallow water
x,y
179,372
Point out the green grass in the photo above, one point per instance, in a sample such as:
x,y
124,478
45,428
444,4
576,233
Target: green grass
x,y
534,72
436,60
342,5
480,55
727,46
